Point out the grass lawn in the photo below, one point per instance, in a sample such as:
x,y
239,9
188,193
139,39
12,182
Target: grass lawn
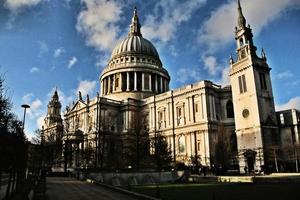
x,y
223,191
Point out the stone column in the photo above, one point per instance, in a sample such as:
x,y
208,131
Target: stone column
x,y
150,83
156,84
108,89
127,87
113,83
135,81
143,81
103,86
102,90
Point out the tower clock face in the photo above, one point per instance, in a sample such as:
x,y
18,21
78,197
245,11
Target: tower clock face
x,y
245,113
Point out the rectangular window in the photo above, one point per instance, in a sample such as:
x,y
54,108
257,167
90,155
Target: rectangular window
x,y
179,112
263,82
196,107
161,116
117,82
242,84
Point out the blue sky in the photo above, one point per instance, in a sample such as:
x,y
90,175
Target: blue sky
x,y
66,44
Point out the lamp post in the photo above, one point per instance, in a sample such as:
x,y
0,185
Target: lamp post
x,y
25,106
22,171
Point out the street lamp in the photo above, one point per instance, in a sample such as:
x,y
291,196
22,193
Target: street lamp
x,y
25,106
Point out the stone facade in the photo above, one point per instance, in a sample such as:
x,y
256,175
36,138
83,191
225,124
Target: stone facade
x,y
203,123
52,132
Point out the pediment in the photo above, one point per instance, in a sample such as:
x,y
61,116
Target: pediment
x,y
78,105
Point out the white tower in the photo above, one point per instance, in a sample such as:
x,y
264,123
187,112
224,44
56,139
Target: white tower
x,y
255,118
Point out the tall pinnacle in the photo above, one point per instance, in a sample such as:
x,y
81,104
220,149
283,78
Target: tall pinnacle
x,y
55,95
241,18
135,26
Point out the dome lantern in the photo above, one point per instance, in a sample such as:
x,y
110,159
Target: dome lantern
x,y
135,26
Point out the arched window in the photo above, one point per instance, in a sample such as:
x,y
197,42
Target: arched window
x,y
181,145
229,109
241,42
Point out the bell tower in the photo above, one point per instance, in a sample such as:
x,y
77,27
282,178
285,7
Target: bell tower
x,y
255,119
53,126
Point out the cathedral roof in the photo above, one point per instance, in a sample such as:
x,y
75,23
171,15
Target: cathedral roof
x,y
134,43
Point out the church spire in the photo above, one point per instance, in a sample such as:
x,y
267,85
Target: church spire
x,y
241,18
135,26
244,36
55,95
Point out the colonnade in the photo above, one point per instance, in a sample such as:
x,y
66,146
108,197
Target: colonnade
x,y
134,81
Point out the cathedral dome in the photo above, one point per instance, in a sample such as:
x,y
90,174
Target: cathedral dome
x,y
134,69
135,44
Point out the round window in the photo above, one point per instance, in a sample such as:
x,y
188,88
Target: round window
x,y
245,113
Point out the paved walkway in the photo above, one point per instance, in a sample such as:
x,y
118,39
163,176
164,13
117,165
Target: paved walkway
x,y
61,188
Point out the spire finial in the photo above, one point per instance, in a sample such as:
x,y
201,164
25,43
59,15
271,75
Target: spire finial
x,y
55,95
135,26
87,99
135,11
241,18
263,54
79,95
231,61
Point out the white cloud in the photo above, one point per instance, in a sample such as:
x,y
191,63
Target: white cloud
x,y
35,104
72,62
173,50
102,60
284,75
40,122
225,79
185,75
167,16
293,83
98,22
34,69
86,87
27,98
292,103
58,52
211,65
43,48
218,29
15,5
217,69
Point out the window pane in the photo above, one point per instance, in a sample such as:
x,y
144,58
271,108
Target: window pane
x,y
264,81
244,83
240,84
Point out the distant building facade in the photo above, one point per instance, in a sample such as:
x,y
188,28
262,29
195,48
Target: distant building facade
x,y
202,123
52,132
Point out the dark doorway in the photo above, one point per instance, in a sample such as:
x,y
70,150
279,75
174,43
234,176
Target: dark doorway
x,y
250,159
